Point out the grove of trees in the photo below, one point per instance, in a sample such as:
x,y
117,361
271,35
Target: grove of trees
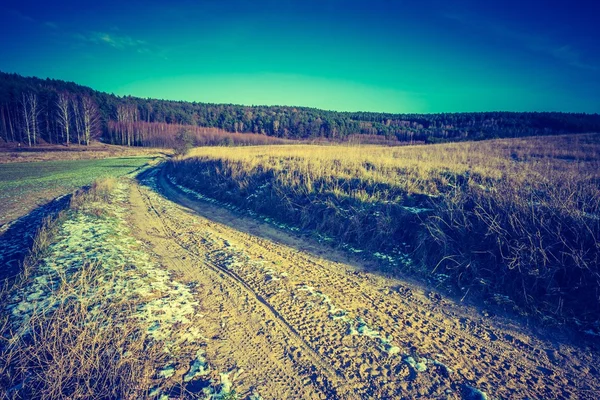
x,y
34,111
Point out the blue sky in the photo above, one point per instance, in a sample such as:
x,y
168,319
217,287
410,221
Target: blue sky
x,y
393,56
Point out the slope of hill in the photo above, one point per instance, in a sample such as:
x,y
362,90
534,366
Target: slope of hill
x,y
34,110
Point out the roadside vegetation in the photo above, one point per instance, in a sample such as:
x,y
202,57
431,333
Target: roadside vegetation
x,y
92,316
517,220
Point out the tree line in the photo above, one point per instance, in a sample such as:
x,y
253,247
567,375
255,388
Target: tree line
x,y
161,134
34,114
34,110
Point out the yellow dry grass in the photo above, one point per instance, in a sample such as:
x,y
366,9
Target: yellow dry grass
x,y
87,343
511,216
84,348
422,169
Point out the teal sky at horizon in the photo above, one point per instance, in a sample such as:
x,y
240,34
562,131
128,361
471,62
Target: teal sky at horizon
x,y
388,56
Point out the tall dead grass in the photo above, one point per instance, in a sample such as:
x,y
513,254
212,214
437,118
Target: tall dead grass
x,y
511,217
86,344
84,347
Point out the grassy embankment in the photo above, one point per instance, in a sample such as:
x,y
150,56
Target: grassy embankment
x,y
517,220
92,316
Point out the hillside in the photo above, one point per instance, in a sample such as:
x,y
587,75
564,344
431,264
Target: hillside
x,y
34,110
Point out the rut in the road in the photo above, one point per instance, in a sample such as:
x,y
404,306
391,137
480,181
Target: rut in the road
x,y
329,320
331,374
242,332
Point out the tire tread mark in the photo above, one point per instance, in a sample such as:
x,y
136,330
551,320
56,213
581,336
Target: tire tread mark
x,y
332,375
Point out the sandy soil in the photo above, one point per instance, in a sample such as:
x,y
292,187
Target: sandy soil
x,y
295,319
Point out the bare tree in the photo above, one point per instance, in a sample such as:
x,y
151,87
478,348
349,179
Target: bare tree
x,y
127,114
10,123
4,124
27,123
63,104
91,118
77,118
31,111
35,109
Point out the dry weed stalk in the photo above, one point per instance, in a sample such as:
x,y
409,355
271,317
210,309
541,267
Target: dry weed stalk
x,y
513,216
84,347
87,344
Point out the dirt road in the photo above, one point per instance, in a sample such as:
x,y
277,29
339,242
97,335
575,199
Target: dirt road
x,y
294,319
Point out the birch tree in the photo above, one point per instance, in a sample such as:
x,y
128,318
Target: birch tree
x,y
91,120
31,111
35,110
63,104
128,115
77,118
4,124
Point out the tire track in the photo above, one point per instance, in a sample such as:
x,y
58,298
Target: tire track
x,y
515,364
333,376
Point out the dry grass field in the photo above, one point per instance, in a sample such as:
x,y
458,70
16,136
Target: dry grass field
x,y
513,217
81,320
144,288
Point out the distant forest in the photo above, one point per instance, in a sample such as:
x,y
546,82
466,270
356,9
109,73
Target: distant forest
x,y
34,111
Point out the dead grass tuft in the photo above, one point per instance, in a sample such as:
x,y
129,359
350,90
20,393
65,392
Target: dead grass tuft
x,y
516,217
102,189
84,347
84,343
98,191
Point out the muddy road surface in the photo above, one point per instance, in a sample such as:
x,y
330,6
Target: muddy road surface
x,y
296,319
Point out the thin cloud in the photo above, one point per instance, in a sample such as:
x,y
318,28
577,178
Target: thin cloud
x,y
51,25
537,43
120,42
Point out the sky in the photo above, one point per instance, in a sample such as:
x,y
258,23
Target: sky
x,y
398,56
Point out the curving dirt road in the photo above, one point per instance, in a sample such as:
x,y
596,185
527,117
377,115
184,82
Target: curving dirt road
x,y
295,319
